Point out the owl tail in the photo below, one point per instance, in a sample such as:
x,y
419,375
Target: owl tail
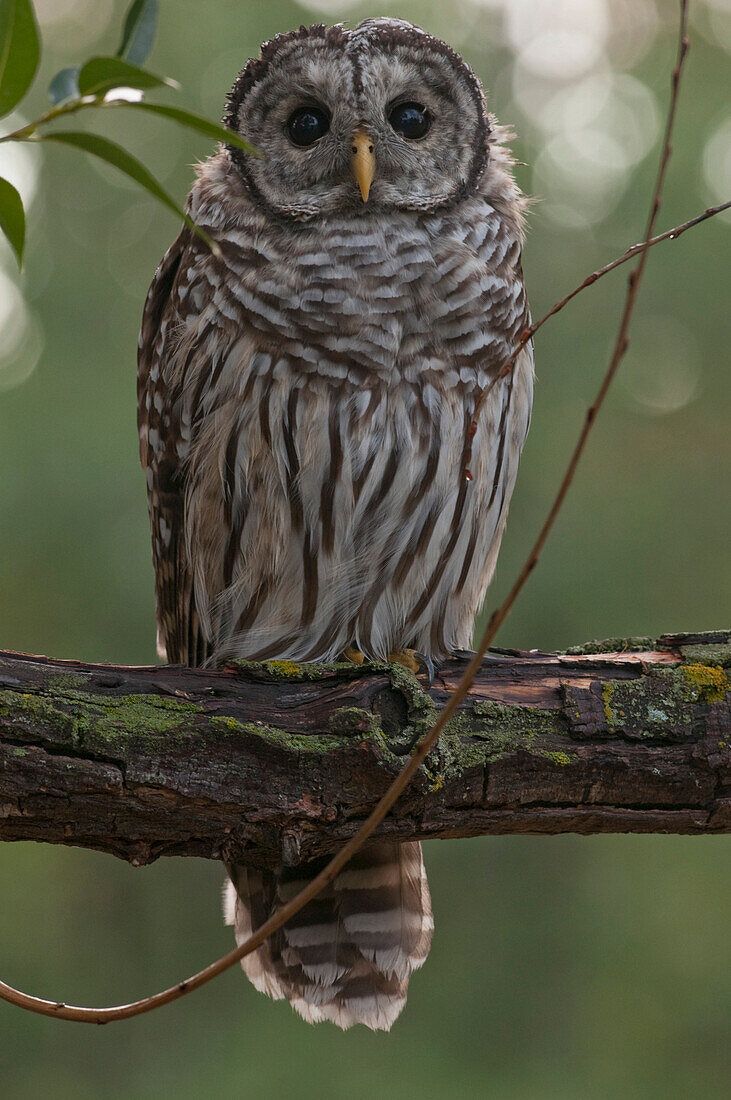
x,y
348,954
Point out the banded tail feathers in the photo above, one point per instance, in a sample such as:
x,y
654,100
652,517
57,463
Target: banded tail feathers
x,y
347,955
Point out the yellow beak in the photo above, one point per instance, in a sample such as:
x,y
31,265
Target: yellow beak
x,y
363,161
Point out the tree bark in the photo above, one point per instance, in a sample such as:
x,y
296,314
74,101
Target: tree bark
x,y
281,762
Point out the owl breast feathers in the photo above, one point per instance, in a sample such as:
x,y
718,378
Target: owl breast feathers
x,y
306,399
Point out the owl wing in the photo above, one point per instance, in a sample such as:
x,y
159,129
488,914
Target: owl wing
x,y
162,452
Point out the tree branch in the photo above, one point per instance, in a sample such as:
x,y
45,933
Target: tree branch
x,y
264,763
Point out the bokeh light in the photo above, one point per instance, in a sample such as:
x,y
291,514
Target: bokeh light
x,y
20,164
662,372
717,163
21,342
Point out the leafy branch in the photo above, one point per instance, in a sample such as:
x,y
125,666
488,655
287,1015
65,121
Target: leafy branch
x,y
100,83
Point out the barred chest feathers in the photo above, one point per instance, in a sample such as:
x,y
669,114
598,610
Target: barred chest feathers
x,y
328,375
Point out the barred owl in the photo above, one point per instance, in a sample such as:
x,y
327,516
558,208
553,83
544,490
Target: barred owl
x,y
306,406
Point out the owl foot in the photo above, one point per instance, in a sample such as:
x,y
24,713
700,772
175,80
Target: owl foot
x,y
415,662
353,655
407,658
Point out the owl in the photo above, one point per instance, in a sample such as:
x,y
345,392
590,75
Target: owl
x,y
322,481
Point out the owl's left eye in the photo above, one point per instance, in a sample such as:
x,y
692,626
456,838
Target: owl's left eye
x,y
307,125
411,120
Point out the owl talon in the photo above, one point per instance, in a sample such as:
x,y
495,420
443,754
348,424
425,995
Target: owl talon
x,y
429,665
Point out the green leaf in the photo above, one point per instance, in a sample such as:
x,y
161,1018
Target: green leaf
x,y
65,85
12,218
138,34
101,74
115,155
194,122
20,51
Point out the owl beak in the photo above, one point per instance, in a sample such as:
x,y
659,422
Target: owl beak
x,y
363,162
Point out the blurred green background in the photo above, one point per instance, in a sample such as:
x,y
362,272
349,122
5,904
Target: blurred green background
x,y
562,967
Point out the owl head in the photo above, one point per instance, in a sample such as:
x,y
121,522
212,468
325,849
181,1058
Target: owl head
x,y
381,117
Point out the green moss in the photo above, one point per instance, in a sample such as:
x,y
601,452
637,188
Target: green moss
x,y
79,719
518,721
299,742
422,711
707,682
401,729
560,758
33,712
111,724
227,723
611,645
281,670
61,683
406,713
713,654
353,720
489,731
663,704
288,669
152,717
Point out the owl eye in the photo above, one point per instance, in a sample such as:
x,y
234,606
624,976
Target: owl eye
x,y
307,124
411,120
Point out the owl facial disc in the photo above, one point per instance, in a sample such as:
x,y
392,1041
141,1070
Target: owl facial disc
x,y
323,104
363,161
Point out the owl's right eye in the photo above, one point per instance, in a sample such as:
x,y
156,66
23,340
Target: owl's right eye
x,y
307,125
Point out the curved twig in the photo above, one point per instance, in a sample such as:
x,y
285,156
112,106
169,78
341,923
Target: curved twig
x,y
636,249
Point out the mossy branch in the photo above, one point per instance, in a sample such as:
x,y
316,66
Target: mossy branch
x,y
282,762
